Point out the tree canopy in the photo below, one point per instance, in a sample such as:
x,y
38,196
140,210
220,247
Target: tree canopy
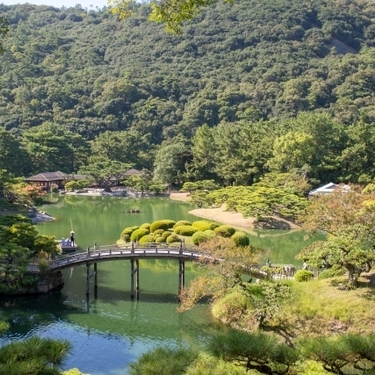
x,y
347,218
242,90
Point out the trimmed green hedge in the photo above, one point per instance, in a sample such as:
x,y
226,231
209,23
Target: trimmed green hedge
x,y
145,225
303,275
225,231
166,234
138,234
128,231
147,238
162,224
240,239
210,233
203,225
200,237
181,222
159,239
185,230
173,238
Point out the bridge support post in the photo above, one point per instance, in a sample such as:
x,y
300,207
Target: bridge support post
x,y
87,279
96,280
181,275
134,264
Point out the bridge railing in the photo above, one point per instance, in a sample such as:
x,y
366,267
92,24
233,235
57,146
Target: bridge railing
x,y
124,251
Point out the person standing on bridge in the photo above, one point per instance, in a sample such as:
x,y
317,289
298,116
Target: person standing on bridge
x,y
72,243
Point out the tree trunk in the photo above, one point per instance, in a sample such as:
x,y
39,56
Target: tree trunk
x,y
352,277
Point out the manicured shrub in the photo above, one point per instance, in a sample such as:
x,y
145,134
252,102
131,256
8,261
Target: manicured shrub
x,y
210,233
125,237
185,230
225,231
200,237
203,225
162,224
170,223
139,233
303,275
159,239
145,225
127,231
166,234
147,238
158,232
181,222
173,238
240,239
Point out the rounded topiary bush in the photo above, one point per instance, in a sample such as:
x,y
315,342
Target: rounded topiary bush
x,y
200,237
203,225
173,238
211,233
158,232
181,222
139,233
185,230
145,225
147,238
161,224
225,231
240,239
159,239
166,234
125,237
303,275
128,231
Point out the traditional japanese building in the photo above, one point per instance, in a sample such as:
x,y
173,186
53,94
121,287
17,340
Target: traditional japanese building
x,y
47,179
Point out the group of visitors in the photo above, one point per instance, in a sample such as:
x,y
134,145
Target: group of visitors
x,y
68,241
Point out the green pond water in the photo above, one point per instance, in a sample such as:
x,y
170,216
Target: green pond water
x,y
111,331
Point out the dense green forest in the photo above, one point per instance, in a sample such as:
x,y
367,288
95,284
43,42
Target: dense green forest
x,y
248,88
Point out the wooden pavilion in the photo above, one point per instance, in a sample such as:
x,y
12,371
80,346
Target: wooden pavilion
x,y
46,179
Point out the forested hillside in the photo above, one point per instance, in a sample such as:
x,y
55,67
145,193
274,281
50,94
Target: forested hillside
x,y
243,70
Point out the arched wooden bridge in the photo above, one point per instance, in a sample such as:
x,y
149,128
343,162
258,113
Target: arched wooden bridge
x,y
134,253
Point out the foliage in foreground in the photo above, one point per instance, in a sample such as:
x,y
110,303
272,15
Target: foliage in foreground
x,y
164,361
34,356
239,352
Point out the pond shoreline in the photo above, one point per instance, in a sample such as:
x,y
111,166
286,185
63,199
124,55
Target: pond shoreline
x,y
220,214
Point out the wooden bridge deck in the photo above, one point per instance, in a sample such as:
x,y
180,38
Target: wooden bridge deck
x,y
148,251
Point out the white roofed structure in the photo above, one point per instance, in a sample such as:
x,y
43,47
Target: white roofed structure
x,y
328,189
